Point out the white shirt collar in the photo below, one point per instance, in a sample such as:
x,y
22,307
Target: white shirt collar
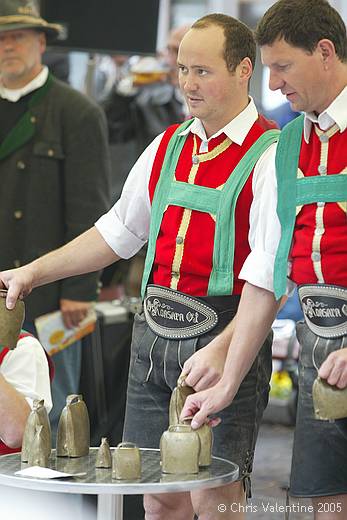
x,y
336,113
15,94
236,130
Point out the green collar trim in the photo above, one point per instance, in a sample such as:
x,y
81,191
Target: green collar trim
x,y
25,128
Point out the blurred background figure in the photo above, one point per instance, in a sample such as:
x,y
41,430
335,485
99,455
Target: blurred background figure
x,y
173,43
54,177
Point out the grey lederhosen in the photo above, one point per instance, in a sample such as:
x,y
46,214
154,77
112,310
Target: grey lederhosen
x,y
155,366
319,465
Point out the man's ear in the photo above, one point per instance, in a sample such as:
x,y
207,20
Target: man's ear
x,y
245,69
42,41
327,51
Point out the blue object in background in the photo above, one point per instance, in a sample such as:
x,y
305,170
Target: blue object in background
x,y
292,309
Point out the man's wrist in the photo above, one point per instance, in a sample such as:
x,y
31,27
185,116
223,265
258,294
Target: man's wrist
x,y
227,386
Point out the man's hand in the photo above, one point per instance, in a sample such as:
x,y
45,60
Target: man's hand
x,y
203,404
247,336
73,312
205,368
334,368
18,282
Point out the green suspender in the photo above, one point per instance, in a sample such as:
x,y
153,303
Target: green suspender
x,y
25,128
287,161
294,192
222,275
159,203
208,200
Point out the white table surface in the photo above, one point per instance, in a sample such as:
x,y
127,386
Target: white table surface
x,y
110,492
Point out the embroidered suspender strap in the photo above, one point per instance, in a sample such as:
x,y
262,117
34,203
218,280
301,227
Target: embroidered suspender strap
x,y
306,190
327,188
160,196
222,276
198,198
25,128
287,161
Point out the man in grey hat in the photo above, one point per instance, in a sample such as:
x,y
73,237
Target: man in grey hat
x,y
54,169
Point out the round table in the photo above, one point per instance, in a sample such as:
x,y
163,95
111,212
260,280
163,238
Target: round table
x,y
110,492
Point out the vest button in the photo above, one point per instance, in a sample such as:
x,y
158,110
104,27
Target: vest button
x,y
18,214
195,159
174,274
33,119
322,169
320,204
319,231
50,152
323,138
179,240
16,263
316,257
20,165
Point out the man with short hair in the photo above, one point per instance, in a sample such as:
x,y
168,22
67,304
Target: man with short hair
x,y
194,193
304,44
54,176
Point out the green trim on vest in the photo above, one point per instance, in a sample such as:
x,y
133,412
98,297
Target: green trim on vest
x,y
25,128
221,203
172,154
293,192
222,276
287,162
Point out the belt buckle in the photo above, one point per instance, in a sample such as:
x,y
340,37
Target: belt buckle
x,y
325,309
175,315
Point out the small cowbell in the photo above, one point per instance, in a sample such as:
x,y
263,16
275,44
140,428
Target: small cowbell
x,y
329,402
180,450
126,462
38,452
104,456
11,321
37,417
73,435
178,398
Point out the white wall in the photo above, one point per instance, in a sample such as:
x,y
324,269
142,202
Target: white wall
x,y
230,7
341,7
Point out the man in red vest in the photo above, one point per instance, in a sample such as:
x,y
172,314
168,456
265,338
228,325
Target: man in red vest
x,y
195,195
304,44
24,376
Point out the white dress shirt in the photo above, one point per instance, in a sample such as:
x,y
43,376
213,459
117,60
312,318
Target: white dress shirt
x,y
26,369
335,113
125,227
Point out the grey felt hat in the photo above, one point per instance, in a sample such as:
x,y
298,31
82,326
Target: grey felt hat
x,y
24,14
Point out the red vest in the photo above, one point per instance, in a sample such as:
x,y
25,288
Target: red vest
x,y
319,250
4,449
196,264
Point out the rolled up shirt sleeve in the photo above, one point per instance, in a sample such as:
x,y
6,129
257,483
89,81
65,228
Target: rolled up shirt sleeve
x,y
125,228
26,369
265,229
